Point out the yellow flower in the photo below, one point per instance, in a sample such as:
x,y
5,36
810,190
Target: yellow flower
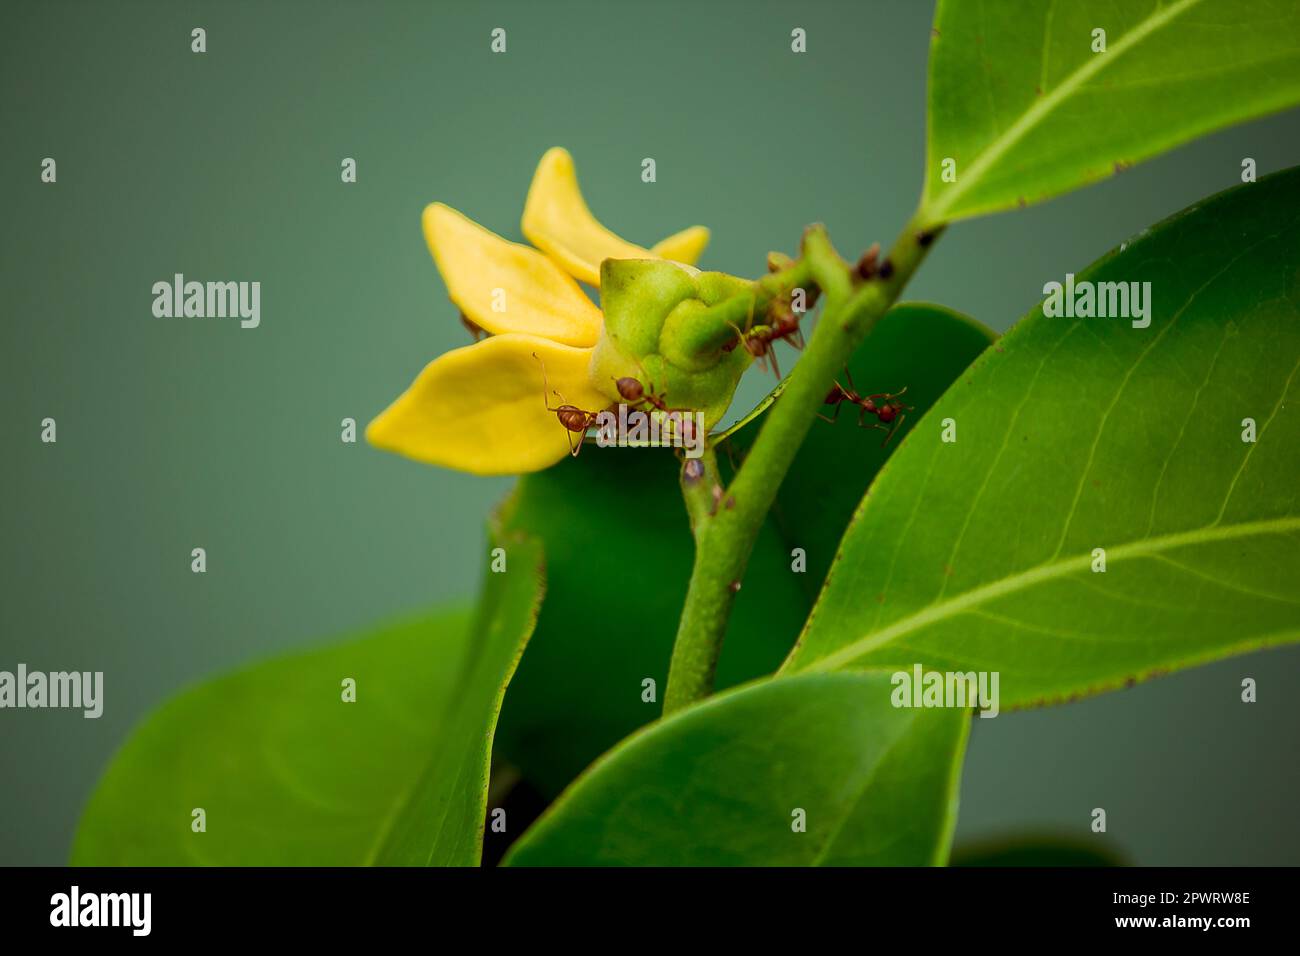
x,y
483,408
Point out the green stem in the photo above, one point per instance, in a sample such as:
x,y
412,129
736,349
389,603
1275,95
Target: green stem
x,y
699,477
693,663
725,536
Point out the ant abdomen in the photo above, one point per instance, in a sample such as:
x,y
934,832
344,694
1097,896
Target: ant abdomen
x,y
630,389
573,418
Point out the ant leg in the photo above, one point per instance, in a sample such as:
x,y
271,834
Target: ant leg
x,y
834,416
898,421
876,425
576,447
889,396
740,336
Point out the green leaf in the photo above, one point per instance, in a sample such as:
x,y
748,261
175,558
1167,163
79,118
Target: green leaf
x,y
742,423
1028,111
918,346
441,821
290,774
719,784
1075,434
618,557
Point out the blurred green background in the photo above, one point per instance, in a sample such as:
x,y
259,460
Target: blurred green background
x,y
183,433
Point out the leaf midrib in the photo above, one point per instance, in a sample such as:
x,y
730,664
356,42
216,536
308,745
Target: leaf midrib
x,y
1045,105
1051,570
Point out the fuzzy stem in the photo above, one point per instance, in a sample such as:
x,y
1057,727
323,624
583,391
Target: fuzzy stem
x,y
725,537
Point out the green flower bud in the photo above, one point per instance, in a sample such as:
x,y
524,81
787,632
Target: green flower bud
x,y
675,330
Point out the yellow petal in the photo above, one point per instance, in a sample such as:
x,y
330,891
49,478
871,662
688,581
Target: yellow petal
x,y
505,286
685,246
483,408
557,221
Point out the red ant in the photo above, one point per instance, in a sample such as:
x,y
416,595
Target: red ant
x,y
786,327
576,420
890,411
634,393
758,343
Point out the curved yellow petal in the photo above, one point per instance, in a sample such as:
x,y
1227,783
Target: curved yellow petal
x,y
506,286
557,221
685,246
482,408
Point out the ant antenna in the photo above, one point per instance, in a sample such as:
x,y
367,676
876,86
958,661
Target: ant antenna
x,y
546,386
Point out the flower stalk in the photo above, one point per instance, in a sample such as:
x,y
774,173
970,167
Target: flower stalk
x,y
701,487
725,533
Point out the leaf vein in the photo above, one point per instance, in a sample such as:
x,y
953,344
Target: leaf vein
x,y
1048,571
1045,104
